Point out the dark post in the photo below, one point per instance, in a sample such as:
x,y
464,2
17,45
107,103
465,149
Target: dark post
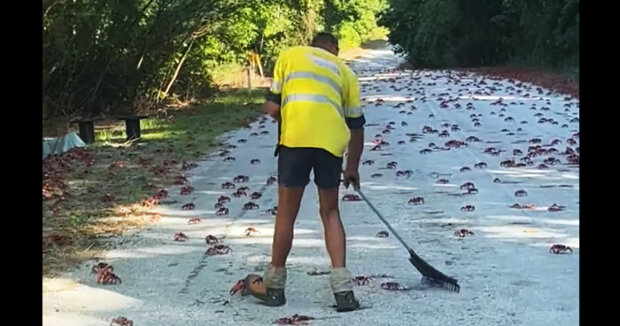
x,y
87,131
132,128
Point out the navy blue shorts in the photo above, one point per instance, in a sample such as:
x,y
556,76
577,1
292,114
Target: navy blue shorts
x,y
295,164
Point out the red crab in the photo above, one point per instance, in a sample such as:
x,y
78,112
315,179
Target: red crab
x,y
463,233
188,206
180,237
407,173
351,197
416,201
186,165
519,206
362,280
194,220
121,321
210,239
241,178
99,267
186,190
105,276
239,193
480,165
393,286
218,249
180,180
426,151
250,206
228,185
271,180
573,159
161,194
443,181
256,195
376,175
497,180
467,186
223,199
465,169
555,208
240,286
295,319
241,141
468,208
255,161
391,165
229,159
472,191
520,193
250,230
368,162
382,234
560,249
222,211
427,129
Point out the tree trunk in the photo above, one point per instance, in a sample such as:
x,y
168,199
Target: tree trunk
x,y
176,72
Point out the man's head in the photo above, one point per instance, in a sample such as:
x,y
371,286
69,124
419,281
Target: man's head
x,y
327,42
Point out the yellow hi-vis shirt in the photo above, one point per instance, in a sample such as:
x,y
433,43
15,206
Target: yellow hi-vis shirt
x,y
318,92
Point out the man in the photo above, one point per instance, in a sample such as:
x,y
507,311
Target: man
x,y
315,98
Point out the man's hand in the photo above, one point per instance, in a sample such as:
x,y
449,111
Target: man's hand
x,y
351,177
272,109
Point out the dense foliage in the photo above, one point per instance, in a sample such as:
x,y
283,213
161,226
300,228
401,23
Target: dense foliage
x,y
461,33
108,56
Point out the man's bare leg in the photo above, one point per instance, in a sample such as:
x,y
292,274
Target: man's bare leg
x,y
289,200
271,293
335,239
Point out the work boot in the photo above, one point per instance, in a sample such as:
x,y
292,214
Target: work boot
x,y
345,301
342,287
270,288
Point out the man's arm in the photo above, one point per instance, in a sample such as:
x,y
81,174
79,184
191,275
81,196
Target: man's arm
x,y
356,147
354,117
272,105
274,96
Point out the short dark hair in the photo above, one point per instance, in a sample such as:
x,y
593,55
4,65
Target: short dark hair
x,y
324,39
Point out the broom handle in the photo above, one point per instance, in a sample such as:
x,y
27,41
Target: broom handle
x,y
383,219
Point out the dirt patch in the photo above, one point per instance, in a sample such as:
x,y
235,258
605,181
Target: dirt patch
x,y
549,80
